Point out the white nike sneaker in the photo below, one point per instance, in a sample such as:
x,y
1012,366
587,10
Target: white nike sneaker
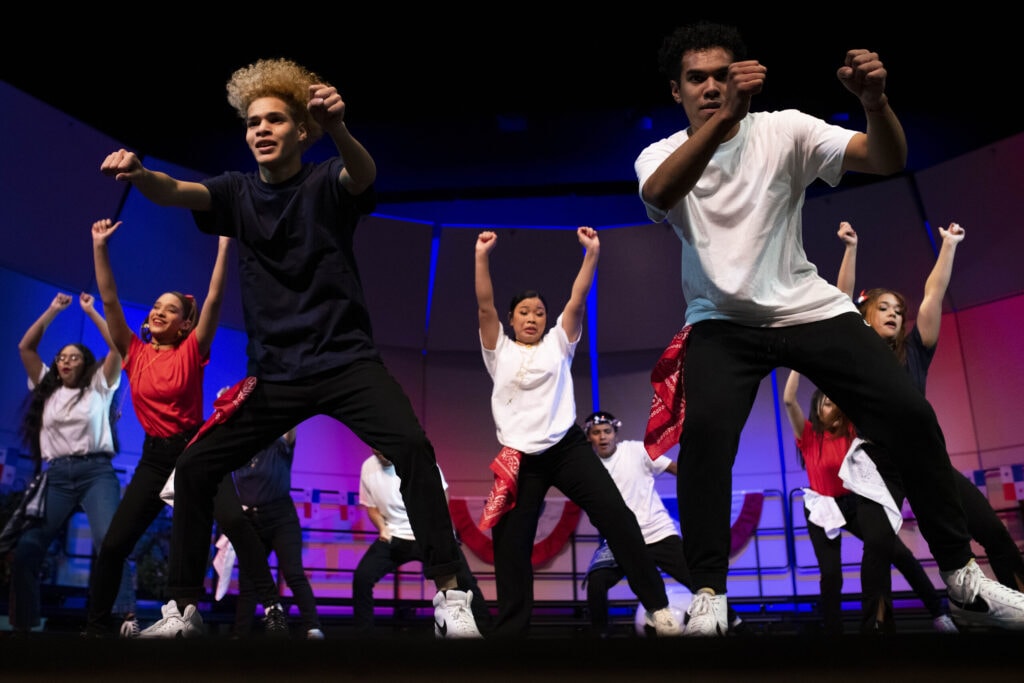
x,y
453,617
175,624
706,615
976,600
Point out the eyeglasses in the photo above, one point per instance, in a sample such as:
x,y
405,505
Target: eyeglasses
x,y
69,358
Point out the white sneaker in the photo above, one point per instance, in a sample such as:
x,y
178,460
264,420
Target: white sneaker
x,y
664,623
452,615
706,615
175,624
976,600
943,624
314,634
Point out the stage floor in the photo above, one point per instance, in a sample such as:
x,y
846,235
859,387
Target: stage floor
x,y
992,657
771,647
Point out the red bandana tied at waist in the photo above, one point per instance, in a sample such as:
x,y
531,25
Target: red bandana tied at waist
x,y
502,497
226,404
668,407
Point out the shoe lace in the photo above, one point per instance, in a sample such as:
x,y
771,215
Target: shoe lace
x,y
274,619
969,578
457,612
130,626
701,605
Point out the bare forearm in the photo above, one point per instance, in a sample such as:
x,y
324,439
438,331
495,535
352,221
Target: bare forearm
x,y
887,143
362,169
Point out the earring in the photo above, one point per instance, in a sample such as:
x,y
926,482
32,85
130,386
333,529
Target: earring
x,y
181,333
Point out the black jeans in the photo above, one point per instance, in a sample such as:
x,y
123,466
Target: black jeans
x,y
364,397
851,364
278,527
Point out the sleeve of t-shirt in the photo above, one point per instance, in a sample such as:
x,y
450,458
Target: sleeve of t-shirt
x,y
648,162
820,146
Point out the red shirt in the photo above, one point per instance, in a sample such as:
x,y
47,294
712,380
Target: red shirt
x,y
166,385
823,456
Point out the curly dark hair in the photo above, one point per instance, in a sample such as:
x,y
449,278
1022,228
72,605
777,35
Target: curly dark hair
x,y
32,414
701,35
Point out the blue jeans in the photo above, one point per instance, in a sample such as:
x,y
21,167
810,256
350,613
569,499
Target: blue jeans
x,y
88,481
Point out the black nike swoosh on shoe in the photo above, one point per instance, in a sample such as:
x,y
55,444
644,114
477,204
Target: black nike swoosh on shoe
x,y
442,628
978,605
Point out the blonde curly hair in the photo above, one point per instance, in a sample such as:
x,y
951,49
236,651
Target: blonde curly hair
x,y
281,78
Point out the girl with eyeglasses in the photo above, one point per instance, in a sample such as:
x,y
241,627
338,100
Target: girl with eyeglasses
x,y
70,432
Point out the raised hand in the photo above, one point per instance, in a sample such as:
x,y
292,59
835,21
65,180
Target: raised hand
x,y
863,74
588,237
122,165
953,235
60,302
745,79
325,105
486,241
86,301
103,229
847,234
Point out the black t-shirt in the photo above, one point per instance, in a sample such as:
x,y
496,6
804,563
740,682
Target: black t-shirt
x,y
302,297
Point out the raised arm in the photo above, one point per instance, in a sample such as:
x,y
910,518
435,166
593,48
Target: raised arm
x,y
155,186
490,326
28,347
882,150
794,412
848,268
209,316
572,315
328,109
112,361
120,333
929,316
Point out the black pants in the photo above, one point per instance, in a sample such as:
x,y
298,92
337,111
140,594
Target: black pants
x,y
569,465
364,397
983,523
279,530
883,549
139,506
382,558
851,364
668,557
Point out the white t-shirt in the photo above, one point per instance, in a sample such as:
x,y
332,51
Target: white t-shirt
x,y
379,488
533,401
633,472
743,258
73,426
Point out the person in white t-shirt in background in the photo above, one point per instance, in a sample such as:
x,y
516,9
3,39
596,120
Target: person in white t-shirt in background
x,y
633,472
380,495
